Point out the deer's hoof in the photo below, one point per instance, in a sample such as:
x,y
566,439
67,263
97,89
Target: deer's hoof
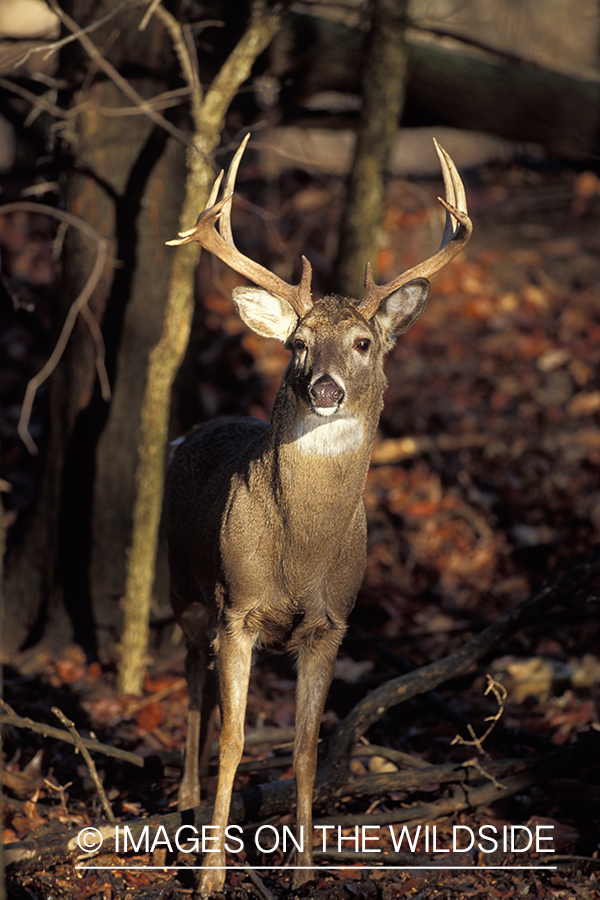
x,y
210,884
301,876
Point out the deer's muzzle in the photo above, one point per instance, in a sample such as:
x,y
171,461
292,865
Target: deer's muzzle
x,y
326,393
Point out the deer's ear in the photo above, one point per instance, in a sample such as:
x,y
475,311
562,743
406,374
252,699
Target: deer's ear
x,y
264,312
403,307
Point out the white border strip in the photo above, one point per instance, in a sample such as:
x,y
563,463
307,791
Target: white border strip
x,y
357,867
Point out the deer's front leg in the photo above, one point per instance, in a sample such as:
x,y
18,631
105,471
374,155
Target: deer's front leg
x,y
315,671
234,655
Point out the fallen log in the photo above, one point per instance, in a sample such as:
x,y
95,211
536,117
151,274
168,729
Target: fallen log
x,y
449,83
395,691
276,798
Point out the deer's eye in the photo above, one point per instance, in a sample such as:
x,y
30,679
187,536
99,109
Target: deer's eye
x,y
299,344
362,344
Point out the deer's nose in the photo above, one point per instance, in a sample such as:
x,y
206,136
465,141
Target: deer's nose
x,y
326,392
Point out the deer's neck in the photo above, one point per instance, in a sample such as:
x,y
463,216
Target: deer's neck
x,y
318,462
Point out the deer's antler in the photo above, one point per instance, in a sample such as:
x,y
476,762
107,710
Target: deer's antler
x,y
457,231
220,243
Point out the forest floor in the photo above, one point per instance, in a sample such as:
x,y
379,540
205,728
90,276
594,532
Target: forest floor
x,y
485,484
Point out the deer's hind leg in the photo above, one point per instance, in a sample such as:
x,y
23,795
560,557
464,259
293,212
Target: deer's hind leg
x,y
202,690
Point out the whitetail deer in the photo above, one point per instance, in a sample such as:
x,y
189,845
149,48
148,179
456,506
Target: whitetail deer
x,y
266,523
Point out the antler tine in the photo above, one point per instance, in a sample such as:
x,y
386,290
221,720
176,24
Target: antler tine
x,y
210,202
225,220
454,239
220,242
455,193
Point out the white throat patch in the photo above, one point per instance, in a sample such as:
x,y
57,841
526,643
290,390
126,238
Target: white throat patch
x,y
328,436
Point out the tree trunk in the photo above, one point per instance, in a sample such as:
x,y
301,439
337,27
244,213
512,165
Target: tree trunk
x,y
127,182
383,91
155,221
166,357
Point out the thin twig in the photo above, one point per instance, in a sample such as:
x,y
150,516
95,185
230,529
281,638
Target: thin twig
x,y
36,100
115,76
9,717
500,693
136,705
79,743
164,100
76,307
475,764
189,65
58,45
61,790
148,14
17,303
258,884
92,323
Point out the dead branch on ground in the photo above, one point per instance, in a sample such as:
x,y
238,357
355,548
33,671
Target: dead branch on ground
x,y
334,781
9,717
81,748
277,798
395,691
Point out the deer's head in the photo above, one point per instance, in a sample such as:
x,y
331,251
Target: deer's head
x,y
336,349
337,344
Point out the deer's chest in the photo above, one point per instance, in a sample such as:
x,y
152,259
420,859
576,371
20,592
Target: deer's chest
x,y
288,582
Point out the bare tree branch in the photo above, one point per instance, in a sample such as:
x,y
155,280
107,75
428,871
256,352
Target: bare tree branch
x,y
92,323
58,45
76,307
117,78
189,65
166,100
148,14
